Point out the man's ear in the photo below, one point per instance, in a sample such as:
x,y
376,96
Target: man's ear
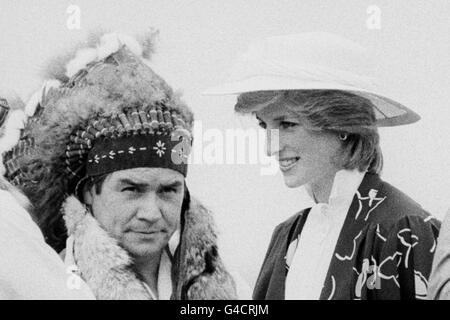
x,y
87,194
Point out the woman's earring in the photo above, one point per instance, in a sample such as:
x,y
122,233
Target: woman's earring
x,y
343,136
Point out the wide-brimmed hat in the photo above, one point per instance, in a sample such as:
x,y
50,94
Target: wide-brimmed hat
x,y
313,61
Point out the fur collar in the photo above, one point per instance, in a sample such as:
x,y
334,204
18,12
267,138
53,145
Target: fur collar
x,y
198,272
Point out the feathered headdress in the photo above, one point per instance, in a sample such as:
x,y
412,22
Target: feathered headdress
x,y
109,111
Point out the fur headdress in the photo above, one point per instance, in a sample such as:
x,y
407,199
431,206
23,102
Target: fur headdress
x,y
98,86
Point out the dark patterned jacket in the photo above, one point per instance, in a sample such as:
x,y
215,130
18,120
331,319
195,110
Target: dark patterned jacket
x,y
384,251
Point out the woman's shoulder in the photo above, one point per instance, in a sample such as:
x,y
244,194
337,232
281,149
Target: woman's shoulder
x,y
287,225
392,206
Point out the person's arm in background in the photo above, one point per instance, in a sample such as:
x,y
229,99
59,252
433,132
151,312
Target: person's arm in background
x,y
29,268
439,282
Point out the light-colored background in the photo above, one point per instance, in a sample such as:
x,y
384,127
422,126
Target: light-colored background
x,y
198,42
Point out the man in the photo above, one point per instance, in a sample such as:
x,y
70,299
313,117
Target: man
x,y
109,159
29,268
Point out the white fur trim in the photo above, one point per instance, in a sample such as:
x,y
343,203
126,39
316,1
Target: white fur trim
x,y
74,212
107,268
82,58
109,43
103,264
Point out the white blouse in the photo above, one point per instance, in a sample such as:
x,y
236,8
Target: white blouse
x,y
317,241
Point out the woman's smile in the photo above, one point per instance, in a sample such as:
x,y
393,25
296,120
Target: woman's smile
x,y
288,163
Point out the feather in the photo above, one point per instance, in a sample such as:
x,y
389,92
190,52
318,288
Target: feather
x,y
82,58
98,46
147,42
13,126
39,96
109,43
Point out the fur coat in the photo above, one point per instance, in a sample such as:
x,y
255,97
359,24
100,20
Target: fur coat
x,y
198,272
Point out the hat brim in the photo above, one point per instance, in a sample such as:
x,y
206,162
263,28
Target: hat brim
x,y
388,112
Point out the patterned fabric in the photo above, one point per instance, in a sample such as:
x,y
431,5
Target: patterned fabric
x,y
159,151
384,250
317,241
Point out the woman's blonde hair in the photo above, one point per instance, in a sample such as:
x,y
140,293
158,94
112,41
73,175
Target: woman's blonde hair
x,y
342,113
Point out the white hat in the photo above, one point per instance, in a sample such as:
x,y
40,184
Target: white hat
x,y
311,61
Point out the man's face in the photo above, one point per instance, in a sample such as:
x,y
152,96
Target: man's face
x,y
139,207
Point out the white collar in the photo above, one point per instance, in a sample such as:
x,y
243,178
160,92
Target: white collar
x,y
164,279
310,254
165,270
345,185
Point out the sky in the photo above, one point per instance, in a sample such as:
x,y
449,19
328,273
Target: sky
x,y
199,41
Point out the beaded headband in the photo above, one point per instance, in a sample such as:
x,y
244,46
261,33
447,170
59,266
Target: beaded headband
x,y
132,139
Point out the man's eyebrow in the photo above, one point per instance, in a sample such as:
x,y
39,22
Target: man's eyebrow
x,y
128,181
132,182
280,118
172,184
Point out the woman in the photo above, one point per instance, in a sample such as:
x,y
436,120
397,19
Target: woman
x,y
363,238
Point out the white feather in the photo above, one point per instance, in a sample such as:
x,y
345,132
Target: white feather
x,y
33,102
82,58
131,43
109,43
35,99
14,123
51,84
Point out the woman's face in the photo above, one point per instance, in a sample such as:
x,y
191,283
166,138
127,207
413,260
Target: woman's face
x,y
305,156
